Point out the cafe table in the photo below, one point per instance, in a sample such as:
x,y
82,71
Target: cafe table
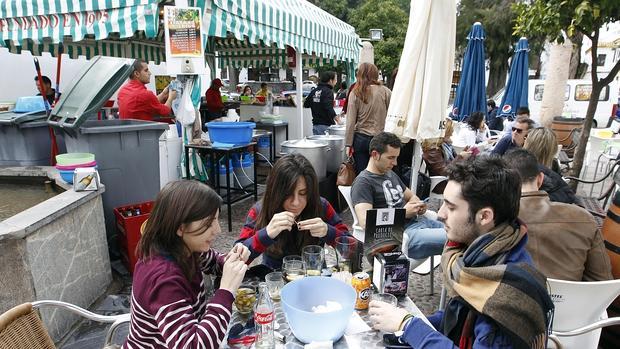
x,y
368,339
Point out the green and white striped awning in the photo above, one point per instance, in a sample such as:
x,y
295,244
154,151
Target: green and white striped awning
x,y
149,51
275,24
40,20
243,54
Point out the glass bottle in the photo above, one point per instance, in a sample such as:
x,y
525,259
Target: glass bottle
x,y
264,316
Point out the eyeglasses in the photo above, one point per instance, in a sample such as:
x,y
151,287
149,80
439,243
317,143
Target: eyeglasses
x,y
519,131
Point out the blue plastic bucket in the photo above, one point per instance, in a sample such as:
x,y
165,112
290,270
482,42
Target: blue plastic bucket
x,y
229,134
264,142
244,169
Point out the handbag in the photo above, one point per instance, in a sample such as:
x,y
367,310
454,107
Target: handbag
x,y
346,173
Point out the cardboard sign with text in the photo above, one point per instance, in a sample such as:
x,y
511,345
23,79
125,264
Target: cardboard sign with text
x,y
384,230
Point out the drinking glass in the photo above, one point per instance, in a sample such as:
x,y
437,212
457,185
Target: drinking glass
x,y
275,282
345,248
384,297
313,259
293,257
293,270
245,299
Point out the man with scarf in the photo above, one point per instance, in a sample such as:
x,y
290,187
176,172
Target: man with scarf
x,y
497,299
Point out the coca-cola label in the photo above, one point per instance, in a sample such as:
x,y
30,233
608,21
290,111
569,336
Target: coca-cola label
x,y
263,319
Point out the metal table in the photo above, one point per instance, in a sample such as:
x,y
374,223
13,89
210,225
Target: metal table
x,y
213,154
369,339
273,126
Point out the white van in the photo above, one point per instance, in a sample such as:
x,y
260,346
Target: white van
x,y
576,98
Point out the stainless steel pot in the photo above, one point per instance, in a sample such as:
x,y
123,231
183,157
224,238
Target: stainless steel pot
x,y
315,151
336,154
338,130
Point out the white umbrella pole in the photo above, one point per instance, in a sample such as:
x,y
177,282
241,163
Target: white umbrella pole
x,y
416,163
299,92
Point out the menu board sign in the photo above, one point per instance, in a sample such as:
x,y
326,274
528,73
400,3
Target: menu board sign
x,y
182,27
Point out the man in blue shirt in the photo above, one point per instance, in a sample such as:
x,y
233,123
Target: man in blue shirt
x,y
517,136
496,298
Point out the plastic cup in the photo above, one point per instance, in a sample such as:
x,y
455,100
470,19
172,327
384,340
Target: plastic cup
x,y
384,297
345,248
275,282
313,258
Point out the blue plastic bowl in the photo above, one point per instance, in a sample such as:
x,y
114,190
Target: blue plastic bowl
x,y
66,175
229,134
298,298
29,104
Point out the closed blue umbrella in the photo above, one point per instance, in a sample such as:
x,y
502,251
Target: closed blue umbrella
x,y
471,92
515,94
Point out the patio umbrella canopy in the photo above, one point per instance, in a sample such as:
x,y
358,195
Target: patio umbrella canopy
x,y
515,94
422,87
471,92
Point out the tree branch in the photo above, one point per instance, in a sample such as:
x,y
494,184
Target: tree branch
x,y
581,29
612,74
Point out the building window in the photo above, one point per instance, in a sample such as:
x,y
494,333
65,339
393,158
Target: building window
x,y
600,59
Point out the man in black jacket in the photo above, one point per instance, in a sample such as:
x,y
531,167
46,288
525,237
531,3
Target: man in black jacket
x,y
321,101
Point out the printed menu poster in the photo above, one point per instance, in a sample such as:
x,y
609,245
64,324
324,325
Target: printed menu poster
x,y
384,228
183,31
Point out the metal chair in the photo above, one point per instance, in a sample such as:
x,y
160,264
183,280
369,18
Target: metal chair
x,y
578,315
419,266
597,206
22,328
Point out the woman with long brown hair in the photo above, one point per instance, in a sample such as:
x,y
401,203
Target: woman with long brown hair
x,y
366,113
291,214
169,304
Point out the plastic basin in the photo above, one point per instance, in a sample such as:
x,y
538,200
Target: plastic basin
x,y
73,167
29,104
298,298
230,133
66,175
71,159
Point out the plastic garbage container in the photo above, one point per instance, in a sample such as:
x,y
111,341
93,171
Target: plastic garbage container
x,y
127,151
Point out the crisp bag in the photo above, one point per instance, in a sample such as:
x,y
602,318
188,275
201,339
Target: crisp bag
x,y
346,173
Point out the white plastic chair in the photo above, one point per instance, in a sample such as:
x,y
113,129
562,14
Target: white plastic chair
x,y
435,180
419,266
580,311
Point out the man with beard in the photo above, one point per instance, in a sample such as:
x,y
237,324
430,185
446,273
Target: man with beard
x,y
496,297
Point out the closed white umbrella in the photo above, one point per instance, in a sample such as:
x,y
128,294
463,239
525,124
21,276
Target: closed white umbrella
x,y
422,87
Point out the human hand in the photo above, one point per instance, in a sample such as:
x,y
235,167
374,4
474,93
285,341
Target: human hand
x,y
349,151
316,226
385,317
280,222
465,154
172,95
239,252
232,274
414,208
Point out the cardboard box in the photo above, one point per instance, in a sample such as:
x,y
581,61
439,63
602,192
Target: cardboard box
x,y
85,179
391,273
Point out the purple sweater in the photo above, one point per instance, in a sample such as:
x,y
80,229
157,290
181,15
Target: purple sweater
x,y
170,311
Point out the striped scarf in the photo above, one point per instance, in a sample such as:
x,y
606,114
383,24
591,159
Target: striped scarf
x,y
513,295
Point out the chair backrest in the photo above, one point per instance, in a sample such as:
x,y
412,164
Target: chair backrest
x,y
346,192
21,327
578,304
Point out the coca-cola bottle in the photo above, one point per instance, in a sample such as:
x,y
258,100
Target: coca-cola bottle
x,y
264,316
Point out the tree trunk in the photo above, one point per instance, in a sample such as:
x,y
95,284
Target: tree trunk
x,y
597,87
497,76
557,73
575,58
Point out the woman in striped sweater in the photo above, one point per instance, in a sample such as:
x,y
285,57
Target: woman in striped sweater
x,y
291,214
169,306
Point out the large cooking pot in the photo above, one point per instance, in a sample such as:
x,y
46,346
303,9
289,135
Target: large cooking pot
x,y
336,154
315,151
338,130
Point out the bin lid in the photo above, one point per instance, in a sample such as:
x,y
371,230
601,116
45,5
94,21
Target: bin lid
x,y
12,118
92,87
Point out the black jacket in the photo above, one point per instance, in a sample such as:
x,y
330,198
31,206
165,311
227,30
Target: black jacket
x,y
321,101
557,189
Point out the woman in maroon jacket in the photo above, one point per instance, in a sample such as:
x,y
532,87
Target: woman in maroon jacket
x,y
169,304
215,106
